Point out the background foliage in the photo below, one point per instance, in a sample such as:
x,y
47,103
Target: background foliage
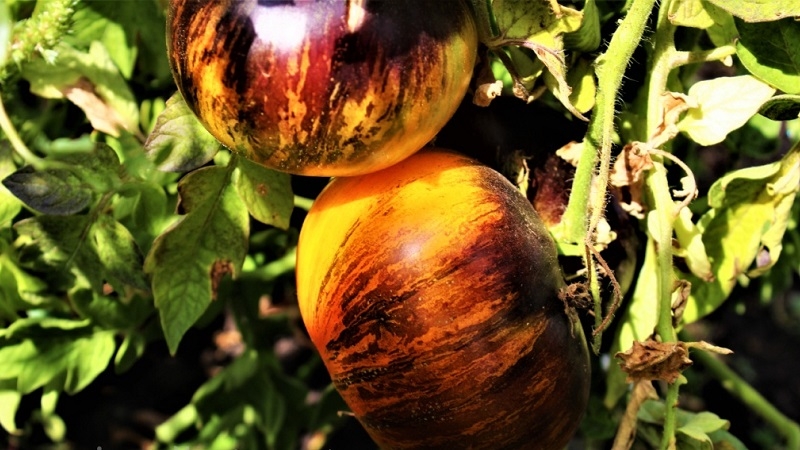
x,y
138,255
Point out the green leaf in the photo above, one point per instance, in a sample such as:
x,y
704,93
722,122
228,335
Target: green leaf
x,y
267,193
144,209
91,81
588,37
9,404
66,359
781,107
637,323
526,19
692,249
179,142
57,192
130,350
723,31
6,26
111,312
101,252
10,205
129,30
771,52
65,191
759,10
743,230
716,112
690,13
188,260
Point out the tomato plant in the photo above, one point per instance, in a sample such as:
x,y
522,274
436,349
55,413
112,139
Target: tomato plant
x,y
148,290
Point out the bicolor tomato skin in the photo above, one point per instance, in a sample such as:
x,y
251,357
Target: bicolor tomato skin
x,y
430,290
326,88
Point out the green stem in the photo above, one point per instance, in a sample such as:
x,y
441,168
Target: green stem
x,y
597,145
586,205
16,142
740,389
663,211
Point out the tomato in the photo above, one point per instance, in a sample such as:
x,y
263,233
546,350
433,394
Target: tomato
x,y
326,88
431,291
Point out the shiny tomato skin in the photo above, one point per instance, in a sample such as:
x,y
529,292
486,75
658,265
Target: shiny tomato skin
x,y
325,87
431,291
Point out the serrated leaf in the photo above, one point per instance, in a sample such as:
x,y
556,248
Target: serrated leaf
x,y
57,192
781,107
179,142
267,193
62,191
65,359
101,252
188,260
759,10
743,230
92,81
771,52
717,112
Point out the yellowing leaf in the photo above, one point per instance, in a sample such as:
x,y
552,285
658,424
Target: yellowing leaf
x,y
760,10
743,231
723,104
690,13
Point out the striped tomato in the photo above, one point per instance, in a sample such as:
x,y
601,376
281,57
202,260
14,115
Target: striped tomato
x,y
431,291
328,88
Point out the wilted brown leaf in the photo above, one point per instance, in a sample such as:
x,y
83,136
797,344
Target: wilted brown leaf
x,y
652,360
219,270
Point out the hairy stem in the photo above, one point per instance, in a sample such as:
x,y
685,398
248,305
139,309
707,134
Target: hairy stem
x,y
740,389
587,206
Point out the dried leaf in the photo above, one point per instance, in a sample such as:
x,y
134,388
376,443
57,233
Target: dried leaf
x,y
571,152
651,360
101,115
486,92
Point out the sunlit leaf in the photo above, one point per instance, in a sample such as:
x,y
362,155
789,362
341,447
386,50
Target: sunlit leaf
x,y
178,142
743,230
69,357
92,81
717,112
9,404
759,10
588,36
771,52
6,25
189,259
10,205
130,350
267,193
690,13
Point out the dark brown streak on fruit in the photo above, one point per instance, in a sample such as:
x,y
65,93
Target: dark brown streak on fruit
x,y
182,14
239,33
